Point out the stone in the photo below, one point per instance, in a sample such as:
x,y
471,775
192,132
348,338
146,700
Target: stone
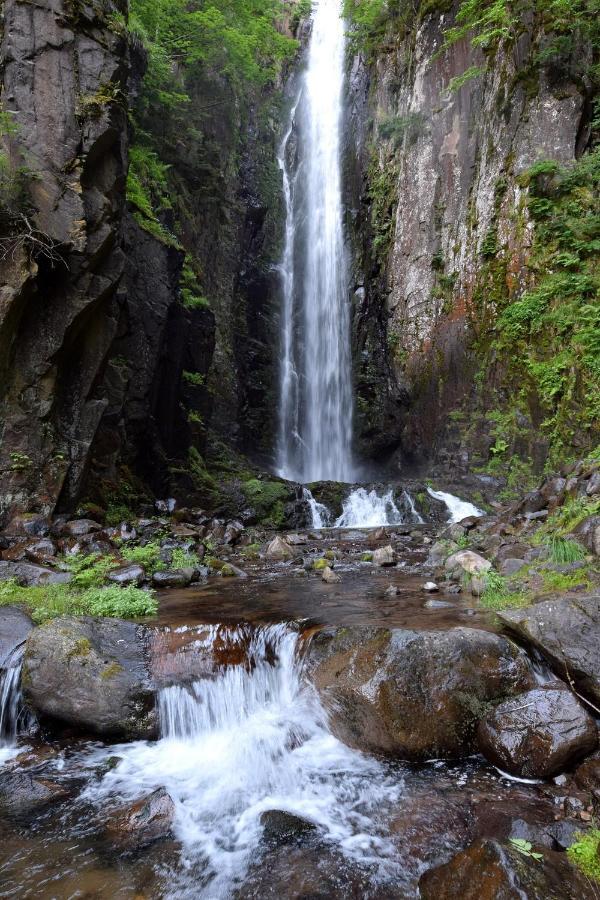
x,y
173,578
31,575
78,527
510,565
567,633
92,673
588,532
30,524
279,549
143,822
127,532
15,625
593,485
329,576
431,587
467,561
296,540
228,570
538,734
587,775
414,694
384,556
165,507
23,794
391,591
439,552
130,574
281,827
233,533
489,870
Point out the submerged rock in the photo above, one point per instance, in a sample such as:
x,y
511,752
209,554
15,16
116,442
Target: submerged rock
x,y
22,794
567,633
92,673
538,734
143,822
415,694
489,870
281,827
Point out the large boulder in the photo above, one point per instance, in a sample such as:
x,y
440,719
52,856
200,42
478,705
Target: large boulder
x,y
23,794
489,870
279,549
415,694
15,625
538,734
567,633
30,575
92,673
588,532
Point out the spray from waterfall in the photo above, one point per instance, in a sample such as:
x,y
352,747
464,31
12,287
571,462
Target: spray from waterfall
x,y
14,717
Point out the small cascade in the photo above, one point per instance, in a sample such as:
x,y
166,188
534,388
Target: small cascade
x,y
252,738
14,717
320,515
368,509
458,509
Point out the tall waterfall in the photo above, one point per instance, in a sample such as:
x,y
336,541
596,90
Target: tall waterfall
x,y
315,423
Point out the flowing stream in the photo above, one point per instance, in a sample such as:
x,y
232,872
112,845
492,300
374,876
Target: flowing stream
x,y
13,715
315,433
253,739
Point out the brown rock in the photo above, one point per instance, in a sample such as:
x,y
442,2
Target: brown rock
x,y
143,822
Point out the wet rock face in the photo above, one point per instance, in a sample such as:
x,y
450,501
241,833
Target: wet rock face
x,y
23,795
143,822
567,633
92,673
413,694
488,870
15,625
537,734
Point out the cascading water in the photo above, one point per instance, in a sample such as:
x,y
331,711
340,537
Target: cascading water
x,y
14,718
458,509
315,432
253,738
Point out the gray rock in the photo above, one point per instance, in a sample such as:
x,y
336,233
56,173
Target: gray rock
x,y
567,633
79,527
467,561
588,532
510,565
130,574
92,673
279,549
281,827
143,822
415,694
329,576
384,556
593,485
538,734
15,625
173,578
31,575
439,552
22,794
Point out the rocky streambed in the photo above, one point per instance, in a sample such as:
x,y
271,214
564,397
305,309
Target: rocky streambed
x,y
336,712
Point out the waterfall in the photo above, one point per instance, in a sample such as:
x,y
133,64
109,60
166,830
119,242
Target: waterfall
x,y
320,515
14,717
250,739
315,407
458,509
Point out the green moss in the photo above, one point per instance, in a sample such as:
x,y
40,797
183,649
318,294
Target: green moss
x,y
111,671
267,498
251,551
227,571
366,557
585,853
565,581
320,564
82,647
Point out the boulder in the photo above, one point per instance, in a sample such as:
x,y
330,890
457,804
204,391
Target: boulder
x,y
279,549
233,532
384,556
415,694
281,827
329,576
489,870
567,633
173,578
92,673
469,562
143,822
78,527
31,575
588,532
538,734
130,574
439,552
22,794
15,625
510,565
29,523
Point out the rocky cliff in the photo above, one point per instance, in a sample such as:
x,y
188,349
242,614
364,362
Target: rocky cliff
x,y
444,233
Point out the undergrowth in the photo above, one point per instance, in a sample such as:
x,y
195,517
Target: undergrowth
x,y
585,853
499,593
46,602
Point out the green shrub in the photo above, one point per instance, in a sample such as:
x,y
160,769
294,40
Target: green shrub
x,y
500,594
146,556
89,571
564,550
49,601
184,559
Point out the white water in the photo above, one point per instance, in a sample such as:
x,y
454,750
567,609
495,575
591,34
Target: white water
x,y
13,716
252,739
458,509
315,431
367,509
320,515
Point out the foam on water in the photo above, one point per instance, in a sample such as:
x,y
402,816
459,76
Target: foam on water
x,y
251,739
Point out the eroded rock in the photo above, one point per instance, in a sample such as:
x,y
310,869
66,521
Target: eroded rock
x,y
143,822
537,734
279,549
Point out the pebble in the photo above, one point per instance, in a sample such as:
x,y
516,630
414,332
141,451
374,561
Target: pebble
x,y
430,587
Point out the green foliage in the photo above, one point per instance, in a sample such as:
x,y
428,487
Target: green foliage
x,y
146,556
525,848
585,853
52,600
267,498
500,594
191,296
184,559
568,516
564,551
403,129
147,191
557,582
382,192
197,379
89,571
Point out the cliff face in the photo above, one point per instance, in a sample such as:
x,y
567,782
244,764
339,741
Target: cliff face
x,y
104,371
442,193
